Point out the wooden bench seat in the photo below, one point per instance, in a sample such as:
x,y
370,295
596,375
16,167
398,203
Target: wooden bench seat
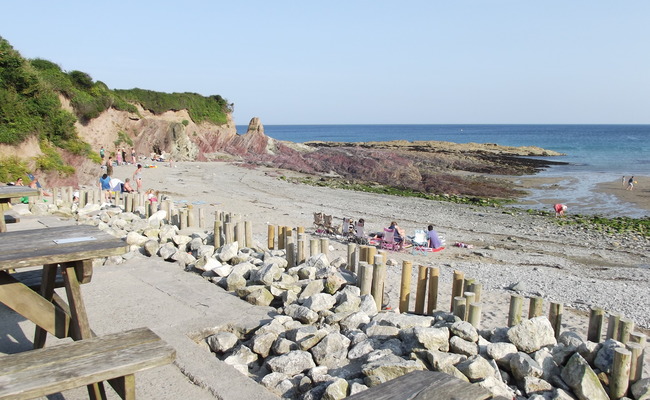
x,y
114,358
33,279
11,217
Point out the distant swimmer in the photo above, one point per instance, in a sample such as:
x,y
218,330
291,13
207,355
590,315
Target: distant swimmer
x,y
630,183
559,209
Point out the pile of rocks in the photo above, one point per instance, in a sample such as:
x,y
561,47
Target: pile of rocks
x,y
328,341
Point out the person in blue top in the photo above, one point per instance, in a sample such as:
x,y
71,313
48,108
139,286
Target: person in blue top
x,y
105,186
434,239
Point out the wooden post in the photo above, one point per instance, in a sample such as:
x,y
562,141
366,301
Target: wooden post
x,y
476,288
240,236
467,283
405,289
457,287
167,206
300,229
366,277
271,237
555,316
535,307
248,232
355,266
638,337
620,373
595,330
191,222
128,202
228,232
636,362
459,307
469,299
514,314
325,247
301,248
474,317
434,276
625,326
363,253
351,248
370,254
291,254
378,278
313,247
288,231
612,326
421,293
217,233
201,217
176,219
281,237
384,254
183,218
82,199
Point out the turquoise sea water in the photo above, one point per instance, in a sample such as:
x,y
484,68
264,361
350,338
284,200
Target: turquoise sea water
x,y
595,153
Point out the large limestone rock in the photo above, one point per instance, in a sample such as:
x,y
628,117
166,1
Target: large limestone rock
x,y
222,342
292,363
476,368
388,367
331,351
301,313
582,379
532,334
336,390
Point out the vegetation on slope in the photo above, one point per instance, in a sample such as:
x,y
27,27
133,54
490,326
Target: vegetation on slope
x,y
30,106
211,109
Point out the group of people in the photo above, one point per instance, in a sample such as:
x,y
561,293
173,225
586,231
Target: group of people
x,y
630,183
120,156
108,184
433,239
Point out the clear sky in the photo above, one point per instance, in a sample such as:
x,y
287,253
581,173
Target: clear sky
x,y
360,62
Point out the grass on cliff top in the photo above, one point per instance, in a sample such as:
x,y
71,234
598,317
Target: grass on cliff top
x,y
212,108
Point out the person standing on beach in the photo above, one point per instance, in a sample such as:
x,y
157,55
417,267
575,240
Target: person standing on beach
x,y
630,183
559,209
133,158
105,186
102,152
137,177
109,166
119,157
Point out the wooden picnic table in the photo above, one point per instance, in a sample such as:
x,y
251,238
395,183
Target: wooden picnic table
x,y
10,192
68,250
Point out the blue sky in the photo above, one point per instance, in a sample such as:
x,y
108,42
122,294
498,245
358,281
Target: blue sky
x,y
366,62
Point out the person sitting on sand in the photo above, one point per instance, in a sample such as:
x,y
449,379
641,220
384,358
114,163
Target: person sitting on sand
x,y
559,209
19,182
434,239
127,188
399,232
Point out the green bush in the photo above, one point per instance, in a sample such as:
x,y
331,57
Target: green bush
x,y
212,108
12,168
51,161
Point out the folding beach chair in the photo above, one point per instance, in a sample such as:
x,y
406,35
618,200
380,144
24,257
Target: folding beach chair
x,y
388,241
420,242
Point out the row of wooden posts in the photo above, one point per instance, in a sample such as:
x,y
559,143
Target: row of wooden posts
x,y
370,266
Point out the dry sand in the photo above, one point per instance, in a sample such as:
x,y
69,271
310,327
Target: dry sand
x,y
564,264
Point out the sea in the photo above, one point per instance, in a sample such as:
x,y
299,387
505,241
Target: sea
x,y
593,153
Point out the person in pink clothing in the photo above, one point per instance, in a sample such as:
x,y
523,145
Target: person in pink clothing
x,y
119,156
559,209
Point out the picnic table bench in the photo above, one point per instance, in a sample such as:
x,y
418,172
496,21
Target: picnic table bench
x,y
114,358
10,192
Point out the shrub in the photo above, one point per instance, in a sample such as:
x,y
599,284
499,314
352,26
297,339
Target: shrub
x,y
12,168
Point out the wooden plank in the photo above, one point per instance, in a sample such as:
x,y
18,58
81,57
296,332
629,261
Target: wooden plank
x,y
80,326
9,192
32,279
424,385
37,247
31,305
55,369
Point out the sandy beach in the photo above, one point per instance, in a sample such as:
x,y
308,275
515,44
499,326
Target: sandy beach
x,y
563,264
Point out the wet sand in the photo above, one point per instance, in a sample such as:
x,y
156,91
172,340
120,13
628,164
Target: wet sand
x,y
639,196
